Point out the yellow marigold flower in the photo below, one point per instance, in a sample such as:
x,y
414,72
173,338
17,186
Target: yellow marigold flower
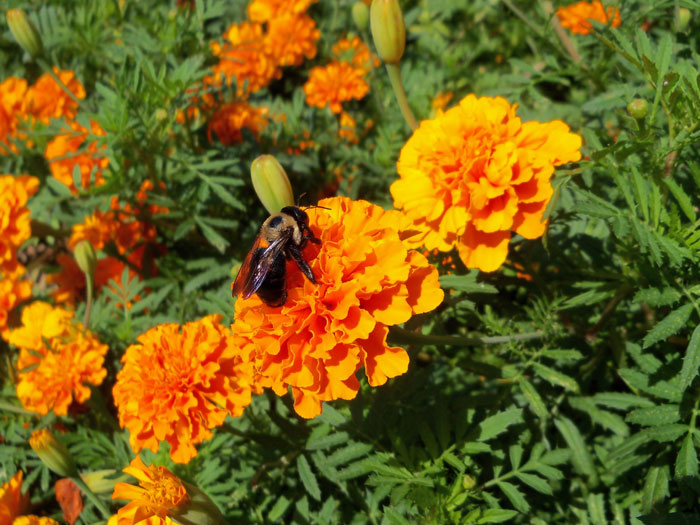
x,y
291,37
12,501
12,109
474,173
244,58
266,10
34,520
334,84
356,52
323,334
176,385
47,100
14,217
575,16
12,292
230,119
70,149
51,377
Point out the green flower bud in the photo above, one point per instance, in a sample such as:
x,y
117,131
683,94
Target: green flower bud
x,y
388,30
100,481
85,257
24,32
271,183
199,510
638,108
360,15
682,19
52,453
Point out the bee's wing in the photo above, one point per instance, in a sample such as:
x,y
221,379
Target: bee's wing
x,y
256,265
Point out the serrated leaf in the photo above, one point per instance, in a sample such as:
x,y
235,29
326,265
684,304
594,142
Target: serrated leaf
x,y
657,296
655,416
621,400
682,198
581,457
535,482
466,283
556,378
668,326
659,388
279,508
596,509
691,361
393,516
496,516
687,459
533,398
498,423
308,478
655,487
515,497
674,518
327,441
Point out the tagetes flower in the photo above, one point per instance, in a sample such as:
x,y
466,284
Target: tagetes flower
x,y
474,173
160,493
291,38
46,99
575,17
266,10
356,52
12,501
230,119
13,291
334,84
346,128
71,149
13,109
14,217
178,384
58,359
34,520
323,334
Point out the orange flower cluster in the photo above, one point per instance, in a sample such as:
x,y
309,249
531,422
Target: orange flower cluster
x,y
575,17
474,173
43,101
176,385
12,292
266,10
71,149
12,502
356,52
230,119
160,493
57,359
323,334
346,128
127,227
14,218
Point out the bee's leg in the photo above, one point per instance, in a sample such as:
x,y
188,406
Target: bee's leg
x,y
295,253
309,235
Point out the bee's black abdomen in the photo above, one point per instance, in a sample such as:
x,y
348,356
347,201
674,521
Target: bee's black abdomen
x,y
273,289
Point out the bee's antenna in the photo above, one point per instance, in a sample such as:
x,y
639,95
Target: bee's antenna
x,y
316,206
299,199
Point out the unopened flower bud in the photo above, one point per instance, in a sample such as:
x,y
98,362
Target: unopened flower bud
x,y
85,257
388,30
200,509
360,15
271,183
24,31
100,481
638,108
52,453
682,19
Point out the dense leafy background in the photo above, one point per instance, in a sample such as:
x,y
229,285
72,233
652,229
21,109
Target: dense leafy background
x,y
593,422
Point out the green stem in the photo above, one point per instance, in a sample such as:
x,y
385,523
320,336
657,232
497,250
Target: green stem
x,y
8,407
88,306
403,336
106,514
394,71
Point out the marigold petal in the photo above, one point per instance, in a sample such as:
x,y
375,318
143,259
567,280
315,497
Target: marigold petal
x,y
382,361
485,251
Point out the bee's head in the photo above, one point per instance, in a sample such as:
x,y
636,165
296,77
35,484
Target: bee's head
x,y
297,214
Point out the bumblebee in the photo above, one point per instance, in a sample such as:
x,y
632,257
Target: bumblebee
x,y
264,269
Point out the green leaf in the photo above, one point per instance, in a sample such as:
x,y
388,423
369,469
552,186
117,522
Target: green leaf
x,y
655,416
533,398
327,441
496,516
669,325
596,509
214,238
466,283
515,497
691,361
682,198
308,478
556,378
581,457
655,487
393,516
687,459
674,518
279,508
535,482
494,425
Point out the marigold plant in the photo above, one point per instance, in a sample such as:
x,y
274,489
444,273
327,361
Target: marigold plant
x,y
13,291
46,99
474,173
13,109
230,120
331,85
14,218
323,334
575,17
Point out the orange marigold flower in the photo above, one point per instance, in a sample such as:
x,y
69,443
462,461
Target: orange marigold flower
x,y
50,377
333,84
12,108
14,217
12,501
230,119
266,10
46,99
474,173
160,493
346,129
291,37
323,334
244,58
176,385
575,17
34,520
71,149
356,52
12,293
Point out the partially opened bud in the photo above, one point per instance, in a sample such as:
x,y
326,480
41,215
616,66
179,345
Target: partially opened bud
x,y
360,15
271,183
24,32
388,30
85,257
52,453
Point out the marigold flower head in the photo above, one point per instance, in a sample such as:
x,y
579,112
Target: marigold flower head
x,y
51,377
245,58
14,217
12,501
334,84
46,99
230,119
575,17
367,280
291,37
13,291
474,173
13,108
70,149
356,52
176,385
266,10
346,129
34,520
